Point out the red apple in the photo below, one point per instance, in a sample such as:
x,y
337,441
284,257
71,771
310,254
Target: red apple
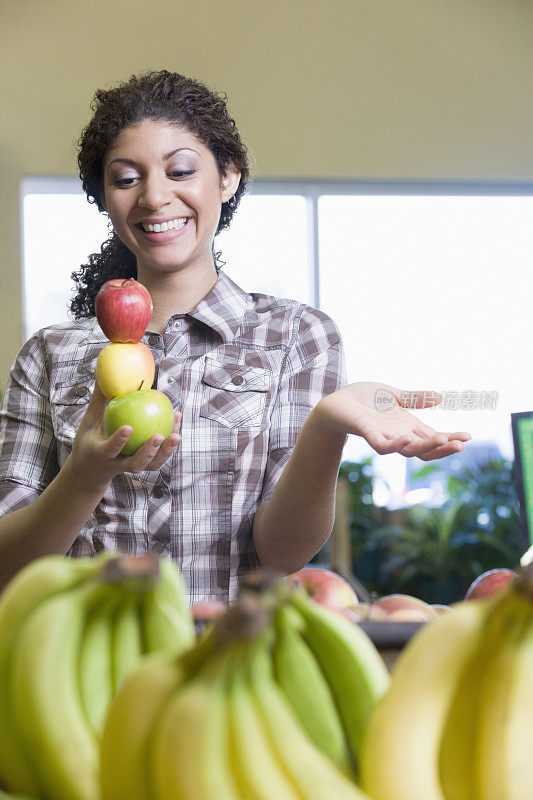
x,y
124,368
325,586
123,309
490,583
148,412
406,608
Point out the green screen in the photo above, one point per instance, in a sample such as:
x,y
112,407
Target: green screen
x,y
525,440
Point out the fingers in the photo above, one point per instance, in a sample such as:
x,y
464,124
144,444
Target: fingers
x,y
441,452
114,444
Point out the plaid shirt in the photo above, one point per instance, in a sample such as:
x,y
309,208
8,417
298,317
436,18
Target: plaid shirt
x,y
245,370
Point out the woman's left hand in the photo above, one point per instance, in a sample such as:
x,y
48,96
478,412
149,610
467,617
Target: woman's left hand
x,y
378,413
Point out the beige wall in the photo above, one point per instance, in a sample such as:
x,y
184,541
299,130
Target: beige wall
x,y
329,88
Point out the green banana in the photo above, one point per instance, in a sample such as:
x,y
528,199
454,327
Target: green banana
x,y
188,753
300,677
42,578
504,741
164,626
126,640
44,682
351,664
172,586
400,759
313,775
258,771
94,663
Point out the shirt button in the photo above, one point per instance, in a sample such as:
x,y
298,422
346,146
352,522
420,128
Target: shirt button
x,y
153,339
82,391
170,379
177,324
237,380
159,491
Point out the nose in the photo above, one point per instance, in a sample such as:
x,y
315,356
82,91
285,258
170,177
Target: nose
x,y
155,192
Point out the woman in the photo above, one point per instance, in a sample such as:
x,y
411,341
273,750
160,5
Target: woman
x,y
257,382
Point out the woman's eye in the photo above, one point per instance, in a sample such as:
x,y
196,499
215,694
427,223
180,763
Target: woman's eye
x,y
181,173
122,182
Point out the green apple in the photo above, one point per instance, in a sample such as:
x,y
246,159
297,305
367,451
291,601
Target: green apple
x,y
147,411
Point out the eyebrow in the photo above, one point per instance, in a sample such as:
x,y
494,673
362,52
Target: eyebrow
x,y
165,157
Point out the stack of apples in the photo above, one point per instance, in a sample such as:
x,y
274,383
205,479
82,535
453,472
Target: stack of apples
x,y
125,367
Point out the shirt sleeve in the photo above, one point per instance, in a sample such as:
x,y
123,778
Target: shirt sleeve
x,y
315,366
28,456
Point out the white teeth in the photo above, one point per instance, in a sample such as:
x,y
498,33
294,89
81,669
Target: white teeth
x,y
171,224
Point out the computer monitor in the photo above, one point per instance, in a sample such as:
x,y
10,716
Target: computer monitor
x,y
522,425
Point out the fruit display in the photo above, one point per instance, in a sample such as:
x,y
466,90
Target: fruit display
x,y
272,703
456,721
125,368
71,630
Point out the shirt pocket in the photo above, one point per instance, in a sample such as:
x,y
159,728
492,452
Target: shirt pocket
x,y
69,400
234,395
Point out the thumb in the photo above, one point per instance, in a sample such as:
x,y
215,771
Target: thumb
x,y
97,402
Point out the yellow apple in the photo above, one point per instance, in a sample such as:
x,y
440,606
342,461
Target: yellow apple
x,y
124,368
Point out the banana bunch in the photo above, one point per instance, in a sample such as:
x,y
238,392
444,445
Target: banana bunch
x,y
70,632
457,721
271,704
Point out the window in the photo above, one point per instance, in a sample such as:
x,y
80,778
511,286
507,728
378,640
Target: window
x,y
430,285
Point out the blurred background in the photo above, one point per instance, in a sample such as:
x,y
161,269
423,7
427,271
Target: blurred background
x,y
393,160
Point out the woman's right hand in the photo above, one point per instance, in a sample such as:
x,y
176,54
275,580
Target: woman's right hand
x,y
97,456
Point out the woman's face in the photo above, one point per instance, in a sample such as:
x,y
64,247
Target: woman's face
x,y
163,194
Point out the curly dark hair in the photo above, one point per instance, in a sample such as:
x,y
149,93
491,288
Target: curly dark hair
x,y
165,96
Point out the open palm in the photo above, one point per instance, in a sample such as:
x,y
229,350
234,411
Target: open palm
x,y
378,412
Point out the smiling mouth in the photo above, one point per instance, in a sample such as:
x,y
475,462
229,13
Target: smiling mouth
x,y
160,227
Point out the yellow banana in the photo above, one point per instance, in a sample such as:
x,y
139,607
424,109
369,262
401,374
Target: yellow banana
x,y
354,670
313,776
44,682
400,759
188,754
128,727
460,730
299,675
39,580
258,770
504,743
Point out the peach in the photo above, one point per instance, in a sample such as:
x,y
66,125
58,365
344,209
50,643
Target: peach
x,y
325,586
490,583
394,603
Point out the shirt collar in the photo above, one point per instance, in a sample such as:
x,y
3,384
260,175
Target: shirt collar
x,y
223,308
